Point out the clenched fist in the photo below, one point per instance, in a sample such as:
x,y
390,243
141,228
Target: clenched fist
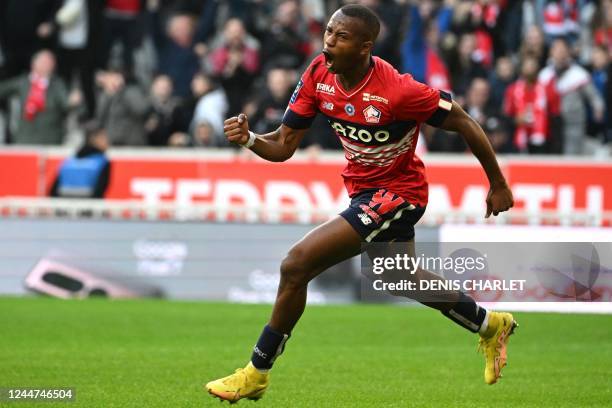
x,y
499,199
236,129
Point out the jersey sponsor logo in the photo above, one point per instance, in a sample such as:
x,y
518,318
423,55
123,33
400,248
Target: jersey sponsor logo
x,y
371,114
365,219
296,92
367,97
349,109
328,106
378,155
326,89
361,135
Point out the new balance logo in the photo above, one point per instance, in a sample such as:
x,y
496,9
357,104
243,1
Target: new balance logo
x,y
327,89
365,219
328,106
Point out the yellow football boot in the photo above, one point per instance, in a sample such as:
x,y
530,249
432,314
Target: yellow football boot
x,y
493,344
246,382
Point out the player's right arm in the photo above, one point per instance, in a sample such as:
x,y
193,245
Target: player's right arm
x,y
276,146
280,145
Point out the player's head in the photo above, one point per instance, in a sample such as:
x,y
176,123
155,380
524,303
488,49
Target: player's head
x,y
349,37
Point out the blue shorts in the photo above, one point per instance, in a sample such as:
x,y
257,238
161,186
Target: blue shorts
x,y
379,215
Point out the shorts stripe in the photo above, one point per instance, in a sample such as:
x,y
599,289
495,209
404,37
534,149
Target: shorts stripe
x,y
387,223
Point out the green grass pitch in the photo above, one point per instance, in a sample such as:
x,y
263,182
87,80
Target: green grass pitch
x,y
159,353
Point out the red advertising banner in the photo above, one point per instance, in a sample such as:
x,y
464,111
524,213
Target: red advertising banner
x,y
19,174
562,186
455,183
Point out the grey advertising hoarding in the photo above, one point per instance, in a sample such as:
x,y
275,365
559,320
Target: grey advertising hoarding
x,y
212,261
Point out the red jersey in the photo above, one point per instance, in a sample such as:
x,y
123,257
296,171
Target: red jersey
x,y
526,100
377,122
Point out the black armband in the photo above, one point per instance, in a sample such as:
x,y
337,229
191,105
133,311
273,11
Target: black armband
x,y
295,121
444,107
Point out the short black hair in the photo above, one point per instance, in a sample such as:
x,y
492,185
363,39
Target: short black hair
x,y
367,16
92,128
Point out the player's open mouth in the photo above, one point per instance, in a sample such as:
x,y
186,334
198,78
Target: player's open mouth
x,y
329,59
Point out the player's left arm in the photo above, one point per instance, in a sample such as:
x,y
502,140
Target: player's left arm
x,y
500,197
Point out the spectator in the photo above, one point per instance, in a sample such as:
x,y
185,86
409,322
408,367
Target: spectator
x,y
208,10
512,15
496,129
271,105
534,44
121,26
200,85
122,108
583,47
255,15
420,48
25,28
600,81
560,19
391,15
448,44
568,86
78,41
286,42
210,112
43,100
525,105
603,26
87,174
235,60
487,25
500,79
466,65
163,118
178,51
478,106
477,101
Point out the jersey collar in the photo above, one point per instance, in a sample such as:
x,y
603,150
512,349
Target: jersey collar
x,y
360,85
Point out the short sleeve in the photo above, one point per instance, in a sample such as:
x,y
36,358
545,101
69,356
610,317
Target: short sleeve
x,y
302,107
421,103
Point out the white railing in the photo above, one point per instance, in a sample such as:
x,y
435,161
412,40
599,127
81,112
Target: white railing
x,y
17,207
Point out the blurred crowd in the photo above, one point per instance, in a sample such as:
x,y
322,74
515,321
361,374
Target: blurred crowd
x,y
533,73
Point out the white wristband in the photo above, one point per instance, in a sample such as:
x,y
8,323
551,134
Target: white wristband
x,y
251,140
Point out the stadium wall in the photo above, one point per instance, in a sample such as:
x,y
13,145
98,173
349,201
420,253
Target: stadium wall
x,y
313,189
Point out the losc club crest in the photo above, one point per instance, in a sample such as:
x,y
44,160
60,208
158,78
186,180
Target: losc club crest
x,y
371,114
